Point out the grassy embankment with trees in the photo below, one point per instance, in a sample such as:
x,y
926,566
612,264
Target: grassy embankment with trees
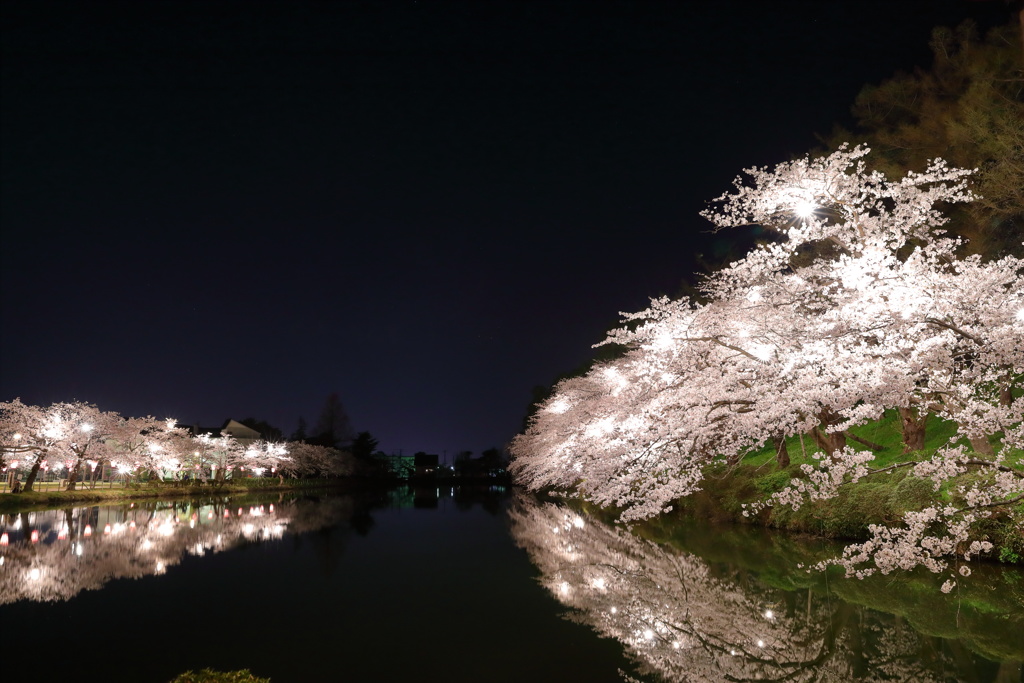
x,y
967,109
882,498
44,499
968,105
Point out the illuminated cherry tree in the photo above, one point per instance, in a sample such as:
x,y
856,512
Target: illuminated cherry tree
x,y
214,454
62,436
859,306
24,439
139,444
264,455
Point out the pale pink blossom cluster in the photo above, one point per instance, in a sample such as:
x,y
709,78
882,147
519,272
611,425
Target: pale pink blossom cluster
x,y
78,437
860,305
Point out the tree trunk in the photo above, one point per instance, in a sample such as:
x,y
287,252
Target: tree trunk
x,y
828,442
31,479
981,445
913,427
781,452
1006,394
73,475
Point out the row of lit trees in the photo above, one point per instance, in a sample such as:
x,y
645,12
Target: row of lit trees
x,y
861,305
72,436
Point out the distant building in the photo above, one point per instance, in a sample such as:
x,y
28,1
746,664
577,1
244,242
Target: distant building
x,y
246,436
426,464
243,435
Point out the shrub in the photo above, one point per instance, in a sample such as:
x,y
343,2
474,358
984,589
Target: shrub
x,y
211,676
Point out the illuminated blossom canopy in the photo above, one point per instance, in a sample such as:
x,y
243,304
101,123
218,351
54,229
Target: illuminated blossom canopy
x,y
76,437
861,304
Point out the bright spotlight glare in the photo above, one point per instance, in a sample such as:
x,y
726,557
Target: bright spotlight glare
x,y
804,208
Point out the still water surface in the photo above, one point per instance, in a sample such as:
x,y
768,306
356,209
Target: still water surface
x,y
467,584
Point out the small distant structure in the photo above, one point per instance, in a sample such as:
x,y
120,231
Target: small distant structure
x,y
243,434
426,464
246,436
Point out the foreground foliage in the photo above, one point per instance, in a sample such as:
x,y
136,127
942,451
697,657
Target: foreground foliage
x,y
862,304
211,676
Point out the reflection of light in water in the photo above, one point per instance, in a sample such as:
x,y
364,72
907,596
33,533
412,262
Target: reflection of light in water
x,y
63,570
672,612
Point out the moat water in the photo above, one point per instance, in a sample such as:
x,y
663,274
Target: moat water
x,y
469,584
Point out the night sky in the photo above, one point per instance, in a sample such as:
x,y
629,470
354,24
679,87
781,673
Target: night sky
x,y
231,209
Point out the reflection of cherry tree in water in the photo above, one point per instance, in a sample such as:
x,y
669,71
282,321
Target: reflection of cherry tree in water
x,y
54,555
680,620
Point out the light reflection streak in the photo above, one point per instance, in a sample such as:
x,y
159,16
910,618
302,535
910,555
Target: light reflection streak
x,y
680,620
50,559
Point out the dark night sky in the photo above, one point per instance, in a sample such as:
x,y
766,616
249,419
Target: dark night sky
x,y
229,209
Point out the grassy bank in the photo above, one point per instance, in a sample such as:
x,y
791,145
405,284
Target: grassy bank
x,y
877,499
35,500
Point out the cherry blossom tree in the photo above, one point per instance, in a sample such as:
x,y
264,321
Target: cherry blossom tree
x,y
262,456
860,305
217,454
141,443
24,438
314,460
64,435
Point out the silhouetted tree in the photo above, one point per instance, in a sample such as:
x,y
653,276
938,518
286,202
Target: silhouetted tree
x,y
364,446
968,108
333,428
301,432
492,459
